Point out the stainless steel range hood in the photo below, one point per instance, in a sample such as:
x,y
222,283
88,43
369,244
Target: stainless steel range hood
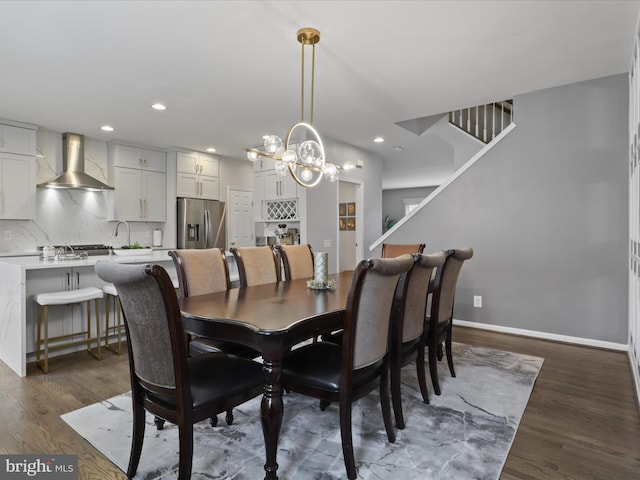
x,y
73,175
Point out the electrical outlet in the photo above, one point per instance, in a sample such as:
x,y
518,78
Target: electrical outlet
x,y
327,243
477,301
7,234
148,233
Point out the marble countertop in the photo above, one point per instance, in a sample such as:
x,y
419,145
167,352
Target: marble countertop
x,y
34,262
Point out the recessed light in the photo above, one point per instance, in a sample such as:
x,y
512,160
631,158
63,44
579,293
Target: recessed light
x,y
378,139
397,149
211,149
106,128
159,106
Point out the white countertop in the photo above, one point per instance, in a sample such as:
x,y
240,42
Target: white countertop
x,y
34,262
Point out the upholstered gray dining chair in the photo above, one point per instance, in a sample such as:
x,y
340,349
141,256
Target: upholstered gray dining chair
x,y
256,265
344,373
297,260
440,321
202,271
407,342
164,380
390,250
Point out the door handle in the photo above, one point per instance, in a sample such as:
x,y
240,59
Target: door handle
x,y
145,208
141,211
77,279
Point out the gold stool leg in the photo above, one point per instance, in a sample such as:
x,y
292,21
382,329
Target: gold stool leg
x,y
97,354
107,329
46,339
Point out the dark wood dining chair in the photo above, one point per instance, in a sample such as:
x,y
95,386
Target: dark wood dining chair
x,y
390,250
165,380
407,340
297,260
440,321
202,271
256,265
347,372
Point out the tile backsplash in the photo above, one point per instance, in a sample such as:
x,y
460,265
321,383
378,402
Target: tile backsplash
x,y
68,216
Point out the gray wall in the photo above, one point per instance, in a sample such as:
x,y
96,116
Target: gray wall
x,y
546,213
392,200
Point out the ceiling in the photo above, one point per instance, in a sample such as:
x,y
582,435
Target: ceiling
x,y
229,71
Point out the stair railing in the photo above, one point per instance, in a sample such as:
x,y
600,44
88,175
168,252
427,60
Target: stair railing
x,y
483,122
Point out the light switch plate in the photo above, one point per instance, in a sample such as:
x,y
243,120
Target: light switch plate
x,y
327,243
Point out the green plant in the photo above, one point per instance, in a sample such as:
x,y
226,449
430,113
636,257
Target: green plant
x,y
389,222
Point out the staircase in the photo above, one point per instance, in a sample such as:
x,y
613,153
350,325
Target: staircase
x,y
483,122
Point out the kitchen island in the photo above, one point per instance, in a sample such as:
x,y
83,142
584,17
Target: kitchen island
x,y
23,277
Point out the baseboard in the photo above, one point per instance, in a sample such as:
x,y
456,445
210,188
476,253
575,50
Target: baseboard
x,y
545,336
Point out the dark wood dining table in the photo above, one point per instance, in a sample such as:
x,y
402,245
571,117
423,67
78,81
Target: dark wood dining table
x,y
270,318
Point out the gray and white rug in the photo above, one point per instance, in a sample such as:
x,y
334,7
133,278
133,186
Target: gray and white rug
x,y
464,434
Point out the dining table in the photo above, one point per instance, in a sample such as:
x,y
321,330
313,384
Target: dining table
x,y
272,318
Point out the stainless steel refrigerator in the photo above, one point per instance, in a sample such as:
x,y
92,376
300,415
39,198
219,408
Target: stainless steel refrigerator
x,y
201,223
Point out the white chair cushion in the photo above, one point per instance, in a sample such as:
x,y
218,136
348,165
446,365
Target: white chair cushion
x,y
69,296
110,290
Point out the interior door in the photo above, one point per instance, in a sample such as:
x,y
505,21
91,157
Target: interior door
x,y
240,209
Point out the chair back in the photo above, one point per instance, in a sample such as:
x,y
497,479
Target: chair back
x,y
297,261
446,281
201,271
256,265
390,250
411,312
156,340
368,312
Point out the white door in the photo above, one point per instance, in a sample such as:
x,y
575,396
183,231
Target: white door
x,y
240,211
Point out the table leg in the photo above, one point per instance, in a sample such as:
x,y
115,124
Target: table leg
x,y
271,414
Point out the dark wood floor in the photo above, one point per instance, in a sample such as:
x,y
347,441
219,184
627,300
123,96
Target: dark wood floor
x,y
581,422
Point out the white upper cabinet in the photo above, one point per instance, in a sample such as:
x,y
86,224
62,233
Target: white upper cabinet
x,y
197,176
17,186
17,140
140,183
17,172
140,158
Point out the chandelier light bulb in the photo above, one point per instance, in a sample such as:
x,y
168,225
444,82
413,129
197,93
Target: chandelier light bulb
x,y
330,171
281,168
310,153
306,175
348,165
272,143
253,155
289,156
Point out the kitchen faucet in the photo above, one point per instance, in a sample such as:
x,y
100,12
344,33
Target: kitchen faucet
x,y
115,232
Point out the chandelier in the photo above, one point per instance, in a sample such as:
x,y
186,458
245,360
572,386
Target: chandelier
x,y
302,152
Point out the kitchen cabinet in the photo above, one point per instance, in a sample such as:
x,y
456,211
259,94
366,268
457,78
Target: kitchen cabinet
x,y
18,139
140,183
197,176
274,197
17,186
17,171
140,158
140,195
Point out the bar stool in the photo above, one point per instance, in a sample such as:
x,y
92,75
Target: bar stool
x,y
67,297
112,294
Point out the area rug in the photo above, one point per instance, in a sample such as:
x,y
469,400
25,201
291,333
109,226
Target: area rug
x,y
465,433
